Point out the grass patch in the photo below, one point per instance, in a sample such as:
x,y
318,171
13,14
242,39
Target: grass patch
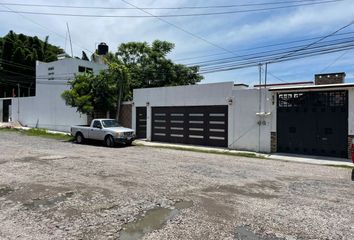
x,y
240,154
37,132
340,166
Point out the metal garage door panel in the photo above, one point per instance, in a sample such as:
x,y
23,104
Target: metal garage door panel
x,y
141,122
192,125
314,123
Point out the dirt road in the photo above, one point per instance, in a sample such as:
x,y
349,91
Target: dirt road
x,y
59,190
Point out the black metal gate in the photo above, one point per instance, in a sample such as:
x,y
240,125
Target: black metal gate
x,y
6,110
314,123
141,122
198,125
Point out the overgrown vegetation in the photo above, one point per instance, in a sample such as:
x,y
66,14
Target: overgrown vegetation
x,y
37,132
18,55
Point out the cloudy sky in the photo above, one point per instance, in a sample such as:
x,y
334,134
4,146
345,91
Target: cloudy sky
x,y
197,37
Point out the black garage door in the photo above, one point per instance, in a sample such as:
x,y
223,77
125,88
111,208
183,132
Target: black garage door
x,y
141,122
200,125
314,123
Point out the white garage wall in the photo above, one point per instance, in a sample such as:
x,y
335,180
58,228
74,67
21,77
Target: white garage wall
x,y
243,129
250,131
351,111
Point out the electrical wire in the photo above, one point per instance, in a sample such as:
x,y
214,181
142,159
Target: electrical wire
x,y
158,8
168,15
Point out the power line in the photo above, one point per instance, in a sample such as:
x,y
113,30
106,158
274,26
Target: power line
x,y
159,8
319,40
168,15
262,47
274,51
256,62
336,60
42,26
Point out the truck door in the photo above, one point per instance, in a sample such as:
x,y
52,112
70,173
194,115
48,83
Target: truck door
x,y
96,130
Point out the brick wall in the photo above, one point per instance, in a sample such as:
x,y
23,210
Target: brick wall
x,y
350,138
331,78
125,116
273,142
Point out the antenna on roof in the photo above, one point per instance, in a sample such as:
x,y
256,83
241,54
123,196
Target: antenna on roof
x,y
71,46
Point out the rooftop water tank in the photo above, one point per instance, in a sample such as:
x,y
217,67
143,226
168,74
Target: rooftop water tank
x,y
102,49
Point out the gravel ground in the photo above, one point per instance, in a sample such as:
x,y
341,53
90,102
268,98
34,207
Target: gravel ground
x,y
59,190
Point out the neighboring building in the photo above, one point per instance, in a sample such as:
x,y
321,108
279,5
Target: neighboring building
x,y
301,118
47,109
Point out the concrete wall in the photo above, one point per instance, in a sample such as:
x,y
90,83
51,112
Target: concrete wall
x,y
351,111
47,109
251,131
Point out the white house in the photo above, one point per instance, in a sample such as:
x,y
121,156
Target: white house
x,y
47,109
300,118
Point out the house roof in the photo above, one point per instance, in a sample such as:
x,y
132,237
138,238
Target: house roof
x,y
284,84
313,87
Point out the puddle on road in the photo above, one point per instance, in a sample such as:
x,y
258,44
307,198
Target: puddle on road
x,y
38,203
245,233
4,190
154,219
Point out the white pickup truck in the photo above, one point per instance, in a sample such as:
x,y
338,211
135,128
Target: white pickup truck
x,y
107,130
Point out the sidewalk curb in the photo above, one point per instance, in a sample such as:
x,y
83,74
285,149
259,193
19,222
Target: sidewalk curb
x,y
302,160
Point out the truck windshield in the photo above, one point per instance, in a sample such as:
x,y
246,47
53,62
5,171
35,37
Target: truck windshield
x,y
110,123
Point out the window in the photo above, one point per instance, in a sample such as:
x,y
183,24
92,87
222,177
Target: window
x,y
285,100
50,68
85,69
97,124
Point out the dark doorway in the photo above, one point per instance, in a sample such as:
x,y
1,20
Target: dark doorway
x,y
198,125
313,123
141,122
6,110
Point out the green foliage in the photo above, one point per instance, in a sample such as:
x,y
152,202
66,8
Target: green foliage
x,y
92,93
149,66
18,55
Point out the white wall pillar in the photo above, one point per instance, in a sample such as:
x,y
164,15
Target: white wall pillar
x,y
148,122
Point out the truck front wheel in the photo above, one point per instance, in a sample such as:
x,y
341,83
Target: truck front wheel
x,y
109,141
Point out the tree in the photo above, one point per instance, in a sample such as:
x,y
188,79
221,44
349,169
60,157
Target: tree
x,y
149,66
103,92
18,54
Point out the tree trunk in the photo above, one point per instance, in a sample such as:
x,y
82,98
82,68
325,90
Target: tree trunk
x,y
119,102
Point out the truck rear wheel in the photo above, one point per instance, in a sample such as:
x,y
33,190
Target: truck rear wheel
x,y
79,138
109,141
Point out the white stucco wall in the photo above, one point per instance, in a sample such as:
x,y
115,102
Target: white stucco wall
x,y
250,131
47,109
351,111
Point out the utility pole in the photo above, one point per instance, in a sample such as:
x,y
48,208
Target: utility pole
x,y
265,86
18,101
71,46
260,107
